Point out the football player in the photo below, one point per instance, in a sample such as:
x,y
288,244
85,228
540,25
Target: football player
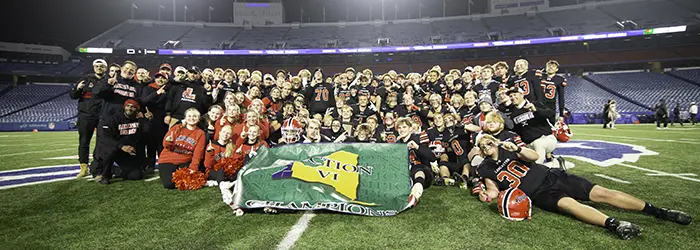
x,y
507,165
527,80
420,156
553,87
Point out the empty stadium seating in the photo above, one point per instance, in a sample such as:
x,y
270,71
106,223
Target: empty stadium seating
x,y
579,20
582,96
596,20
650,14
26,95
692,75
55,110
648,88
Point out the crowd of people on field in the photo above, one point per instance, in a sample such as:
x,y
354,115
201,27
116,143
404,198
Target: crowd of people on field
x,y
463,127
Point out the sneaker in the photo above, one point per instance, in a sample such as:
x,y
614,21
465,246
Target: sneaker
x,y
675,216
149,170
658,128
449,181
626,230
104,181
83,171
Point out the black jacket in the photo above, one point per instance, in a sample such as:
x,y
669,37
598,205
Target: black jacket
x,y
115,95
89,106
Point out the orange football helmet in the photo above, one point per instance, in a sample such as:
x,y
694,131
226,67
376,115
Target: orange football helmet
x,y
562,131
513,204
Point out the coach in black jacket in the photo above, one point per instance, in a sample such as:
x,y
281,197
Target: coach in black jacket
x,y
531,122
190,94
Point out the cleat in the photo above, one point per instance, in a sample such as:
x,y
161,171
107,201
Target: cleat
x,y
675,216
269,210
562,163
461,181
439,182
83,171
626,230
449,181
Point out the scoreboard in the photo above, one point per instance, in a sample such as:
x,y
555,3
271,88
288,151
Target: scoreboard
x,y
257,13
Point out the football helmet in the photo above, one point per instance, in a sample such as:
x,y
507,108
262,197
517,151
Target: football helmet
x,y
562,131
291,130
513,204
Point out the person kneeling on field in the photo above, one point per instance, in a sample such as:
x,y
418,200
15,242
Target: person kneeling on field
x,y
121,143
419,154
507,165
184,146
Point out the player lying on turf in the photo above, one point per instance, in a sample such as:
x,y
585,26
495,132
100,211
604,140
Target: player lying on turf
x,y
507,165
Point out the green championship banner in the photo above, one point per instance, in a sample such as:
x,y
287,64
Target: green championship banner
x,y
362,179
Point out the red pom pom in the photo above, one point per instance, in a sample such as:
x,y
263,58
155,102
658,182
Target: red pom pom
x,y
229,165
187,179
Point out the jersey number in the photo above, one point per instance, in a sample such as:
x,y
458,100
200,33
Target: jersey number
x,y
513,174
457,148
525,86
321,94
549,91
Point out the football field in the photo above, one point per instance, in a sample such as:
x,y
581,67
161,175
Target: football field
x,y
45,208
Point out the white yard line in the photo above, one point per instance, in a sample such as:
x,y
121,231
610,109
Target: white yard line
x,y
661,173
36,152
295,233
639,138
153,178
38,144
11,136
53,166
612,178
38,182
685,174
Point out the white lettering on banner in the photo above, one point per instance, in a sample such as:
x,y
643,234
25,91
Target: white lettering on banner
x,y
328,51
403,48
123,93
568,38
621,34
502,43
255,52
364,50
523,42
481,44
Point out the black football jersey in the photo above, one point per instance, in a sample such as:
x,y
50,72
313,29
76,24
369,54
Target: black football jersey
x,y
510,172
553,88
528,82
458,143
489,90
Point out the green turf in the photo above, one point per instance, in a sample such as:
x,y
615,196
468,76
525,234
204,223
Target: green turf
x,y
83,215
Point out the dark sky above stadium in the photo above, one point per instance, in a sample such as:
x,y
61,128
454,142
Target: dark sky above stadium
x,y
68,23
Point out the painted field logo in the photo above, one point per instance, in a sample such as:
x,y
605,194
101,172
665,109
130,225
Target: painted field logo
x,y
338,170
601,153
